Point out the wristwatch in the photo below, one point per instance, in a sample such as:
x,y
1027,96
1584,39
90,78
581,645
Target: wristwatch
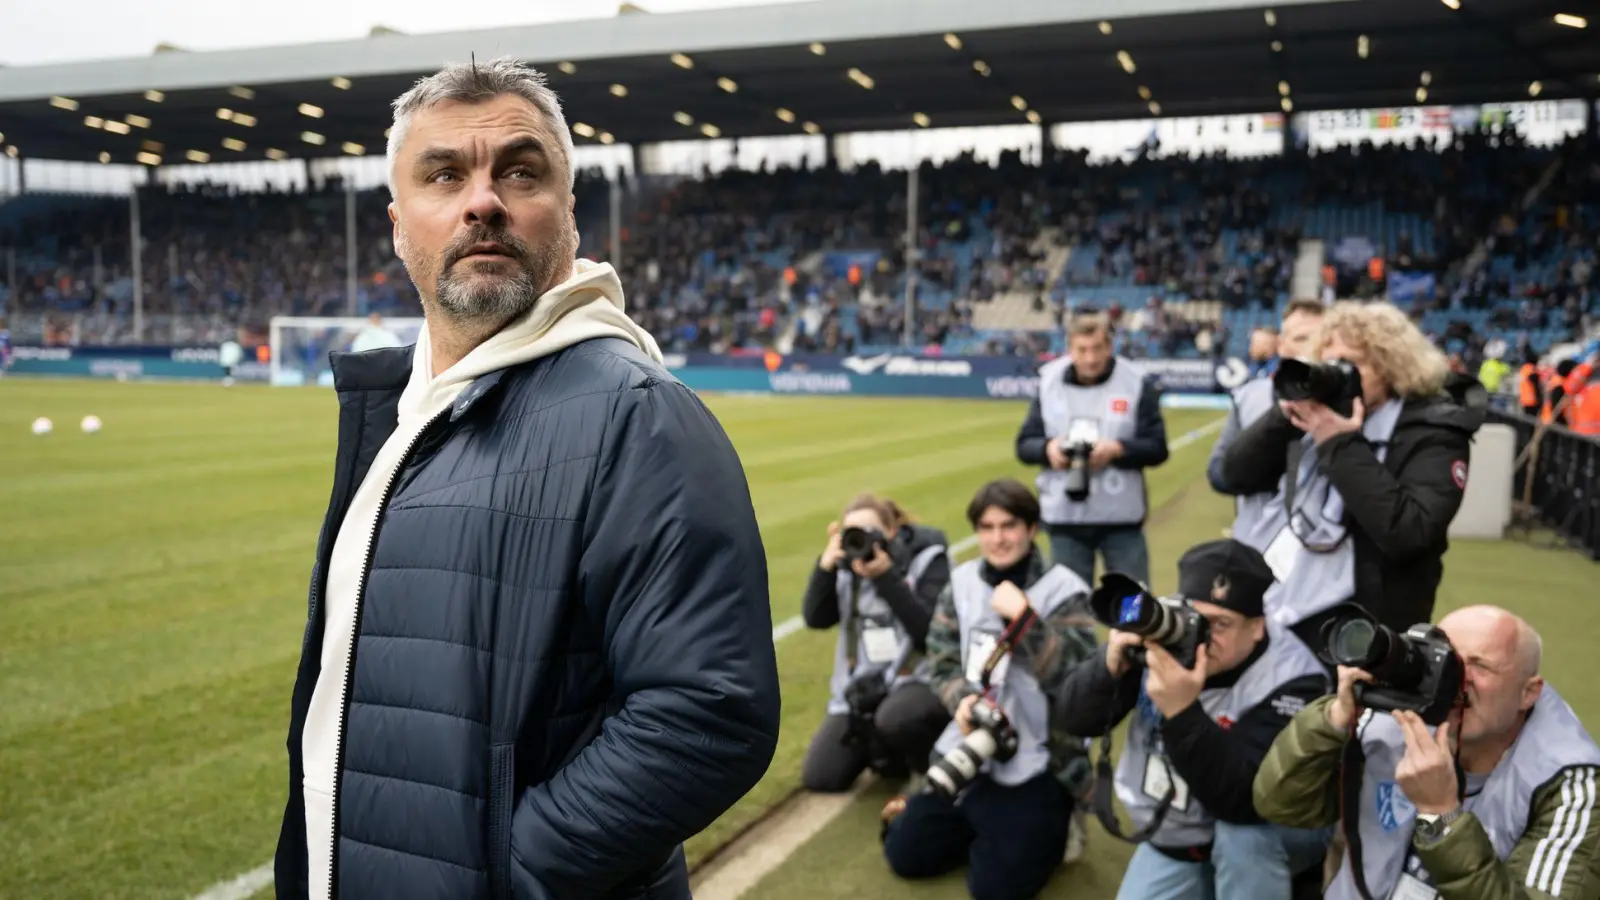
x,y
1432,827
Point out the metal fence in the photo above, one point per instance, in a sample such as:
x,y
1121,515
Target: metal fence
x,y
1565,488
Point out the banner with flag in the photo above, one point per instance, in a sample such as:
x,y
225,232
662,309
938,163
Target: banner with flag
x,y
1408,287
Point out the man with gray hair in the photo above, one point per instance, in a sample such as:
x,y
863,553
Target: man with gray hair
x,y
537,655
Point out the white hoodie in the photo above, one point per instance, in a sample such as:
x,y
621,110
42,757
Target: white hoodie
x,y
586,306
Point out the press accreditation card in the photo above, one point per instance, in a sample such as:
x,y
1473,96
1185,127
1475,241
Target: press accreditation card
x,y
1415,882
1158,777
1282,553
981,645
1083,430
1409,888
878,645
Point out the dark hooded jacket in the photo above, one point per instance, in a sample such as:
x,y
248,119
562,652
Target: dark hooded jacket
x,y
1398,511
563,667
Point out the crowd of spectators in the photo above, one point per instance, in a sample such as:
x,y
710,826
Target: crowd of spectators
x,y
746,259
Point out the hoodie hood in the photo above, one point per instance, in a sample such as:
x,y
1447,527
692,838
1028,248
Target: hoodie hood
x,y
1463,405
586,306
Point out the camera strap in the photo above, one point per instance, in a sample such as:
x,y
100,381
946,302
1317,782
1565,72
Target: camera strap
x,y
1104,784
852,624
1007,641
1291,481
1352,769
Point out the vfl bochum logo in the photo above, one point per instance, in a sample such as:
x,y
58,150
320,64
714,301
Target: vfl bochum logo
x,y
1393,807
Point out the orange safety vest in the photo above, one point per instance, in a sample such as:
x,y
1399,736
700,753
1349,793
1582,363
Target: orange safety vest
x,y
1585,411
1375,268
1528,385
1578,377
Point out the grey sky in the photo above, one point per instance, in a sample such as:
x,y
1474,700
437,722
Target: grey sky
x,y
37,33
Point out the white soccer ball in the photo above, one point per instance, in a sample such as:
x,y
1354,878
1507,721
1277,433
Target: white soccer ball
x,y
42,425
91,424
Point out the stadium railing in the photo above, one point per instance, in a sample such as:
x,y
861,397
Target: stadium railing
x,y
1565,471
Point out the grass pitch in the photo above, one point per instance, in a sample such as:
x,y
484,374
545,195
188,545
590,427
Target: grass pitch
x,y
152,597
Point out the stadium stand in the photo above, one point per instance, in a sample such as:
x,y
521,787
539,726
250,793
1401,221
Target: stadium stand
x,y
1187,254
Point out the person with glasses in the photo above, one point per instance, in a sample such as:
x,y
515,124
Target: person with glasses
x,y
1363,514
1196,735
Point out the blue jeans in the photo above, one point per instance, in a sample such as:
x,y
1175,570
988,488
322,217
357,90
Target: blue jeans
x,y
1122,549
1248,862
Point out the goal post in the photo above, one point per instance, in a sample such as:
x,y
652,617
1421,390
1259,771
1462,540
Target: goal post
x,y
300,344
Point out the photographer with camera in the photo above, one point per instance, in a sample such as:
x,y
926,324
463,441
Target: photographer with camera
x,y
1462,774
1302,322
878,579
1008,631
1095,427
1376,437
1210,684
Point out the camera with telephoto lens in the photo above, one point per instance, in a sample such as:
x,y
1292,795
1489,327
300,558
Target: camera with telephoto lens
x,y
860,543
1335,384
1417,670
1077,470
1172,622
992,737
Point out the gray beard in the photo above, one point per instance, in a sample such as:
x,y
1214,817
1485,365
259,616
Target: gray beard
x,y
487,303
488,300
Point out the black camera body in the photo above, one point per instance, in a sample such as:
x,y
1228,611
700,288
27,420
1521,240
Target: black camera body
x,y
861,543
1077,470
1417,670
992,737
1123,604
1335,384
864,695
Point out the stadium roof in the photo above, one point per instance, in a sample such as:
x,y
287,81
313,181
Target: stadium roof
x,y
928,57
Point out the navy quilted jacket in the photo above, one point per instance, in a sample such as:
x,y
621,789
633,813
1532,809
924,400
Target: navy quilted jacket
x,y
564,665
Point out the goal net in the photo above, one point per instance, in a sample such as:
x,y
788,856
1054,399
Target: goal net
x,y
301,344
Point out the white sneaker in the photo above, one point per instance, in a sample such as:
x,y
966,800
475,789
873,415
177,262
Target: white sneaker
x,y
1077,837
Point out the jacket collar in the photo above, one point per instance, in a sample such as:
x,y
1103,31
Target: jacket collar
x,y
385,369
389,368
1024,574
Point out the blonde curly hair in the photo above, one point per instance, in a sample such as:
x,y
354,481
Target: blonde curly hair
x,y
1411,366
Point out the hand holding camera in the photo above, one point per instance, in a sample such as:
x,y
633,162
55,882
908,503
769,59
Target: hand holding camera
x,y
1119,651
1321,422
1321,399
1173,687
963,714
1345,709
1416,671
833,552
1055,453
1104,453
988,735
866,551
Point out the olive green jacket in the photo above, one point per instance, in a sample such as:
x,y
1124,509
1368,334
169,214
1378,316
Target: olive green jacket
x,y
1298,786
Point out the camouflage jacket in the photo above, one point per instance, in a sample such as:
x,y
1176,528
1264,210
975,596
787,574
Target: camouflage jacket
x,y
1050,652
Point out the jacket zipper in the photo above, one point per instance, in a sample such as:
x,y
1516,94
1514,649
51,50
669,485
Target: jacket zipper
x,y
355,638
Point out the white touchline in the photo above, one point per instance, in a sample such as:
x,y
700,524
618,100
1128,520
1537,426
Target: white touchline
x,y
246,885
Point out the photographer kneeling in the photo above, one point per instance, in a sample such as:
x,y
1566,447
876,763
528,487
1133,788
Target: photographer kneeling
x,y
1210,684
1497,803
1377,439
881,591
1008,631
